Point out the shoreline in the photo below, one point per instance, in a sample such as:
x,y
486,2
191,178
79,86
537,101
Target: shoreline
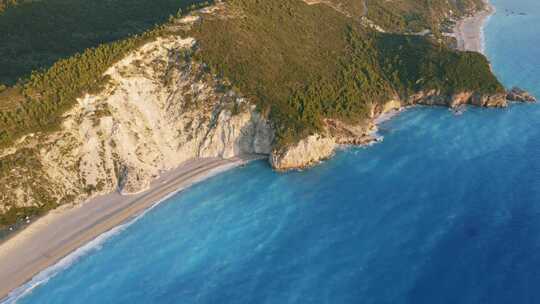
x,y
60,233
469,31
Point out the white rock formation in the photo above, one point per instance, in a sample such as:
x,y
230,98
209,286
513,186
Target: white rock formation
x,y
158,110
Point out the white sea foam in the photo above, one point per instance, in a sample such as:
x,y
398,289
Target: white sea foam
x,y
386,116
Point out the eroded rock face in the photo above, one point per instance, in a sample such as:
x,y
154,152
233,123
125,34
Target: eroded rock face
x,y
498,100
164,110
318,147
238,134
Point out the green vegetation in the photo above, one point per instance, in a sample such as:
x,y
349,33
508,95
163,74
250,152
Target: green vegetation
x,y
36,103
277,49
35,34
414,63
353,8
293,59
304,63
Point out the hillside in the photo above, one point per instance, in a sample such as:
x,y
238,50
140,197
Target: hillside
x,y
320,63
289,78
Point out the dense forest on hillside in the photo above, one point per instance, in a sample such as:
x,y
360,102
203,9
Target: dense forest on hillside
x,y
35,34
303,63
431,66
36,103
300,63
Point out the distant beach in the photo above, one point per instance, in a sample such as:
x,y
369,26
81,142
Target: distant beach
x,y
61,232
469,31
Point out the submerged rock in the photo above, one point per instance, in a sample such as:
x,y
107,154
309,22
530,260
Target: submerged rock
x,y
518,94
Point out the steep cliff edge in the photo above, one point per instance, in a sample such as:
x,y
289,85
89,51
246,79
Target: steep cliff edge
x,y
158,110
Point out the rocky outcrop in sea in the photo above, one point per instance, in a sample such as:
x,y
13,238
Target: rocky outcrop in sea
x,y
520,95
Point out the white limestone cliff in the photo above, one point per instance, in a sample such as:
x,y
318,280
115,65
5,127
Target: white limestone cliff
x,y
158,110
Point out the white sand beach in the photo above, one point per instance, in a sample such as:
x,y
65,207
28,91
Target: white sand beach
x,y
62,231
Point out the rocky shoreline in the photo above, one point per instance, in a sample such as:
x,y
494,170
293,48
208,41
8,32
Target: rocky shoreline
x,y
520,95
319,147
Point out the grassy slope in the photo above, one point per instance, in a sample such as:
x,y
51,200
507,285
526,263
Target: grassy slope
x,y
28,167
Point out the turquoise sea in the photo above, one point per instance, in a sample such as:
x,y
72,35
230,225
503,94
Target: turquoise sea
x,y
445,210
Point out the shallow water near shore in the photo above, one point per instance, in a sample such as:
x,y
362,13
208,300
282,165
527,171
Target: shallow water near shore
x,y
445,210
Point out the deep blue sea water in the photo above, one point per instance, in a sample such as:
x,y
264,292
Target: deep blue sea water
x,y
445,210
